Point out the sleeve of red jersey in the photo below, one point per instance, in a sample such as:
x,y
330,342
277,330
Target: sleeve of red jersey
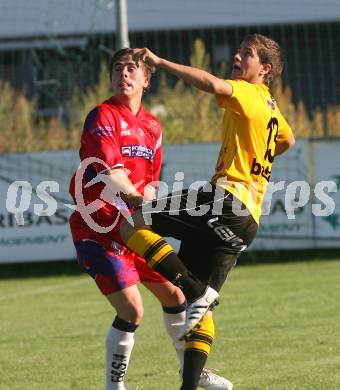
x,y
100,140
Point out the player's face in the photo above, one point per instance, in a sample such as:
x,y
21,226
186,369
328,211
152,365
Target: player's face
x,y
127,78
247,65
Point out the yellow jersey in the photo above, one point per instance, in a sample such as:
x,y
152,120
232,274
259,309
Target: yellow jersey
x,y
251,127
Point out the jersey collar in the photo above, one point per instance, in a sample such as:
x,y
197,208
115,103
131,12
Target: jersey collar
x,y
123,107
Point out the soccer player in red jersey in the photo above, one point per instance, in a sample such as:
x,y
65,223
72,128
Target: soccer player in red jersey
x,y
121,142
119,134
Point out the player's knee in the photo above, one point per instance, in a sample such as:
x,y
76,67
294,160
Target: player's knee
x,y
173,296
177,296
126,230
136,313
131,312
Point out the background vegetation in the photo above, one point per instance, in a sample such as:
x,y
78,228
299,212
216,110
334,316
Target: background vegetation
x,y
187,115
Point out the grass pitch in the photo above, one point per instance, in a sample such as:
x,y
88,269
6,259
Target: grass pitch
x,y
277,328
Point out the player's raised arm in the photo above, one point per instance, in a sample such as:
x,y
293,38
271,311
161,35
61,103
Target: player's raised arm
x,y
285,145
196,77
285,138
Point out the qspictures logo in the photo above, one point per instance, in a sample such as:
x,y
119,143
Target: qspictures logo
x,y
295,195
334,219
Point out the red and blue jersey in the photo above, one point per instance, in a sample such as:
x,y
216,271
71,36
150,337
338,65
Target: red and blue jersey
x,y
117,139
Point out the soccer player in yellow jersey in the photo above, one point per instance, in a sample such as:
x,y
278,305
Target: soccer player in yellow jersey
x,y
219,221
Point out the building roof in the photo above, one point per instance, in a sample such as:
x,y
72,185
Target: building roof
x,y
33,18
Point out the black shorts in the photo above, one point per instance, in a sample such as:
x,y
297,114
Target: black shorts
x,y
212,235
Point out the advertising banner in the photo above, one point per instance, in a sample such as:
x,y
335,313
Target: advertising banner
x,y
286,221
301,209
38,184
326,163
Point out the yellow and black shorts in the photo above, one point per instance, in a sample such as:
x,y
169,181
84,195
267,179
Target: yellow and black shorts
x,y
212,236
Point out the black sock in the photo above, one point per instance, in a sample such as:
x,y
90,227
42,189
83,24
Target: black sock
x,y
194,362
175,271
161,257
197,349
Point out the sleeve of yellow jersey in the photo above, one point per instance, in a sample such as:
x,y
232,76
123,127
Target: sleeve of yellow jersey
x,y
242,99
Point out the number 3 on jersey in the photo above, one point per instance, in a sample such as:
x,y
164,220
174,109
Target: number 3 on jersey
x,y
264,170
273,127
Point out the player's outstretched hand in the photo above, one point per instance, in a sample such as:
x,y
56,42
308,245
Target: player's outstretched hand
x,y
147,56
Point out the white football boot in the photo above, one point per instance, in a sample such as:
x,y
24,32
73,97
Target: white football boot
x,y
211,381
196,311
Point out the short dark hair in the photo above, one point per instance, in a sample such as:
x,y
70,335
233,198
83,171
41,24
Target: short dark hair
x,y
148,70
269,52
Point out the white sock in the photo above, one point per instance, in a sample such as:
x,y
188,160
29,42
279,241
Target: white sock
x,y
173,323
119,346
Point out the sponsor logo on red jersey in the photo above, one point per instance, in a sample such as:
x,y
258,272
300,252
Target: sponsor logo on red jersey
x,y
137,151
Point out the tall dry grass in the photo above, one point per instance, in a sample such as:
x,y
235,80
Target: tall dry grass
x,y
187,114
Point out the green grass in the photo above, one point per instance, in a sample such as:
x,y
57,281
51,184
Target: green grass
x,y
278,327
